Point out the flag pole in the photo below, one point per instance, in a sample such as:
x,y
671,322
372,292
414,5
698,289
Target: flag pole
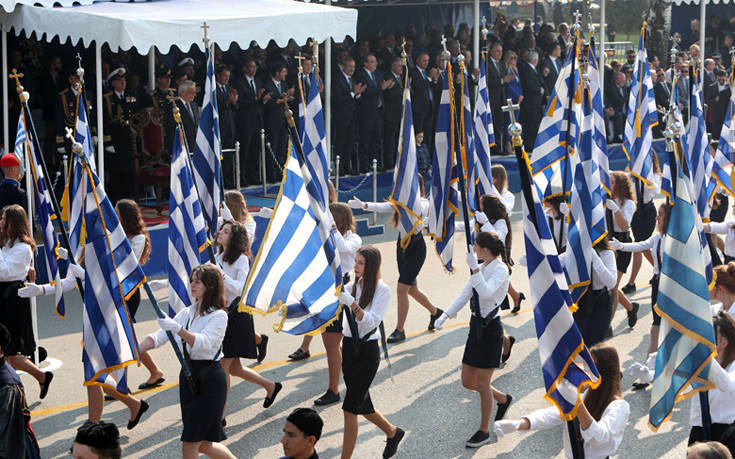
x,y
515,130
572,95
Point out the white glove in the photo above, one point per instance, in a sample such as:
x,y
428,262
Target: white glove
x,y
77,270
615,244
94,140
564,208
225,213
62,253
640,372
502,428
265,212
110,149
612,205
169,324
472,260
356,203
651,361
158,284
481,218
523,261
439,323
30,290
345,298
61,150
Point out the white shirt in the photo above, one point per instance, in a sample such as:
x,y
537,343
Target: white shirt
x,y
234,274
721,399
15,261
499,227
490,283
604,269
347,245
726,227
137,243
601,439
508,200
386,207
373,313
208,330
627,208
653,244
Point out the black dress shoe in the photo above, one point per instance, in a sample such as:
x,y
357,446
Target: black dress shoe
x,y
503,407
327,399
263,347
633,315
45,384
143,408
269,400
517,306
147,385
397,336
433,318
628,288
391,445
299,355
504,358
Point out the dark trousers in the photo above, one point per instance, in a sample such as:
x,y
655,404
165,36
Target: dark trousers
x,y
344,144
498,117
250,156
391,130
369,129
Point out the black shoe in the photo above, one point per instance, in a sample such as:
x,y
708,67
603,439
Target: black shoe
x,y
639,386
633,315
143,408
299,355
45,384
504,358
328,398
433,318
478,439
42,354
391,444
263,347
503,407
224,422
269,400
397,336
147,385
517,306
628,288
609,332
109,398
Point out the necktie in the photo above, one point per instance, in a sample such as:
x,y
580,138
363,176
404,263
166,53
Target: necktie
x,y
372,77
252,85
188,108
428,87
278,88
349,82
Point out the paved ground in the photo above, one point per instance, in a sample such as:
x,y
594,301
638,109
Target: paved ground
x,y
425,396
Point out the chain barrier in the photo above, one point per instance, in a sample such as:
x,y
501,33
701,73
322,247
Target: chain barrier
x,y
353,189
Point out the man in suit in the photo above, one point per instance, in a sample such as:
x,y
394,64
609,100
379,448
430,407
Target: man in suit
x,y
392,109
424,96
551,68
66,115
532,104
721,93
682,88
119,150
369,111
387,53
227,103
662,94
249,122
189,116
345,93
274,120
616,103
497,75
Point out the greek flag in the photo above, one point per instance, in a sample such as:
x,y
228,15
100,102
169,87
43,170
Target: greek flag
x,y
112,275
82,133
406,195
46,215
297,268
313,140
687,343
467,146
699,154
208,152
641,118
187,235
21,142
722,166
565,361
599,145
444,195
484,136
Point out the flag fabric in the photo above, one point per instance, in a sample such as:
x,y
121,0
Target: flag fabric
x,y
21,143
112,276
566,363
46,214
722,166
406,195
187,235
484,136
208,152
313,139
297,269
467,146
641,117
687,343
699,154
599,145
82,133
444,196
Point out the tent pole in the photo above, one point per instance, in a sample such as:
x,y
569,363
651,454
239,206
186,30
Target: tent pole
x,y
702,18
602,45
476,36
6,113
100,129
328,93
29,198
152,68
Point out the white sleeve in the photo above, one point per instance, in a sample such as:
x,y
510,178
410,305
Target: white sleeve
x,y
544,418
656,184
424,207
235,284
724,380
213,333
628,209
380,207
464,296
159,337
500,228
349,244
459,226
137,243
15,261
611,427
721,227
374,314
487,288
250,228
607,271
639,246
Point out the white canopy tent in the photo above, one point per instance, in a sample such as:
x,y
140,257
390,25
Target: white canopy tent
x,y
165,23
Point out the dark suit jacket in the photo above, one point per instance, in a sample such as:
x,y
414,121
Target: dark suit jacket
x,y
662,93
343,104
550,79
495,88
249,107
226,118
273,118
393,98
532,84
720,101
367,104
191,125
420,89
12,193
616,100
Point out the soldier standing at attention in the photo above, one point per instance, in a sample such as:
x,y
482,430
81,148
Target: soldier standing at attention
x,y
119,108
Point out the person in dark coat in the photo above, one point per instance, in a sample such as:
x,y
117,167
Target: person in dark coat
x,y
532,84
551,68
274,121
497,75
662,94
616,100
345,92
721,93
189,111
66,115
369,111
10,189
227,105
423,96
249,122
392,110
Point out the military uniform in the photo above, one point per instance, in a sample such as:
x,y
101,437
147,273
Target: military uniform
x,y
66,117
158,98
119,146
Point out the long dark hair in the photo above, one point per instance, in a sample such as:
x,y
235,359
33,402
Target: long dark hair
x,y
214,296
608,364
725,324
239,243
16,227
370,275
343,217
494,210
133,225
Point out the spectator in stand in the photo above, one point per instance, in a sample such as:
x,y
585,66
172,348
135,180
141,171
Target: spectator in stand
x,y
721,92
345,93
532,104
425,93
682,89
551,67
616,99
388,52
423,156
249,122
497,75
630,57
724,49
693,32
276,130
513,90
662,93
227,105
369,111
566,39
393,99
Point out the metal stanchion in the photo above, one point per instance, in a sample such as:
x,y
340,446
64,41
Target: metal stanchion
x,y
237,165
336,175
375,188
65,162
262,161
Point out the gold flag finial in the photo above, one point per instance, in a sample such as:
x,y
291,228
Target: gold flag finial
x,y
403,52
300,58
205,27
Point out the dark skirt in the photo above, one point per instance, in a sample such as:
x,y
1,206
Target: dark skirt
x,y
622,259
654,299
594,315
718,215
644,221
410,260
239,340
359,372
15,314
202,414
719,433
133,303
483,349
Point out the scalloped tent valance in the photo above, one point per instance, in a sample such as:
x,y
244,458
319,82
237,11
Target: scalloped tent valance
x,y
696,2
164,23
9,5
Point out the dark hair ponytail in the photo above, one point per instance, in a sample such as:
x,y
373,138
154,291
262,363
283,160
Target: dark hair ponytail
x,y
491,242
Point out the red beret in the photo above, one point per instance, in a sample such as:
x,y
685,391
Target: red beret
x,y
9,160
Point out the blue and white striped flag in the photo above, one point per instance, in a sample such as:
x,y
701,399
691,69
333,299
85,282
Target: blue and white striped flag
x,y
46,215
722,166
566,363
112,276
313,139
484,136
687,343
297,269
21,143
406,195
82,133
641,118
699,154
187,235
467,146
599,147
208,152
444,197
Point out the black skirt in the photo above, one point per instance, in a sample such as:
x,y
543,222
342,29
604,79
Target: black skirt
x,y
720,433
644,221
15,314
410,260
654,300
202,414
594,315
336,326
484,352
239,340
622,259
359,372
133,303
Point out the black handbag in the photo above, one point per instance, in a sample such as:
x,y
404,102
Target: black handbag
x,y
194,381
